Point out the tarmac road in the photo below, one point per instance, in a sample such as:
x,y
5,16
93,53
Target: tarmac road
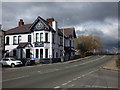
x,y
81,74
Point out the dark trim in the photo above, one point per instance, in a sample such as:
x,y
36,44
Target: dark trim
x,y
18,33
15,43
39,44
46,42
60,45
7,44
53,42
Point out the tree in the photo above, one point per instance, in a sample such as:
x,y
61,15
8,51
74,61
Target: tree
x,y
87,44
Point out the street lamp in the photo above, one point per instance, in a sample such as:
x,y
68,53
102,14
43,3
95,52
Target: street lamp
x,y
62,60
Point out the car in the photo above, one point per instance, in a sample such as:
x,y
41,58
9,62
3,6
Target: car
x,y
10,62
27,62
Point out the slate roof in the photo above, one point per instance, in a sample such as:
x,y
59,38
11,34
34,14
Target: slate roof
x,y
68,31
19,30
23,44
26,28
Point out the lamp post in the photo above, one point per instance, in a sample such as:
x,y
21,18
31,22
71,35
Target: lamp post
x,y
63,38
62,60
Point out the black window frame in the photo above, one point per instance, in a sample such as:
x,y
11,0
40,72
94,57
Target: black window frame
x,y
36,37
46,37
53,40
19,39
29,38
41,54
37,53
46,53
14,41
41,37
53,53
7,40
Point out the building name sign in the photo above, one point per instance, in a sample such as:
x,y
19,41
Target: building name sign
x,y
39,44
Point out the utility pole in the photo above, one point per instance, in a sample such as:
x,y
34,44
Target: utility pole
x,y
63,42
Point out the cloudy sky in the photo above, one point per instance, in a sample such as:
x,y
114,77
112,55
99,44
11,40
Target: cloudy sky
x,y
97,18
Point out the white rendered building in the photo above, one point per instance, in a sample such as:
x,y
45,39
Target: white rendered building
x,y
42,40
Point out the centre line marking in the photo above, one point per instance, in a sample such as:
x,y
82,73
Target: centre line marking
x,y
57,87
15,78
76,78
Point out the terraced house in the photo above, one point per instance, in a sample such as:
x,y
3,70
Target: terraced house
x,y
42,40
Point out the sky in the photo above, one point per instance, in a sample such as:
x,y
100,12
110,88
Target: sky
x,y
96,18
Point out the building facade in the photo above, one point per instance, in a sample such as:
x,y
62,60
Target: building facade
x,y
42,39
1,43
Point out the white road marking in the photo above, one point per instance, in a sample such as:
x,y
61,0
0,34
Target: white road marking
x,y
77,78
69,81
96,86
15,78
92,61
64,84
74,79
75,65
56,69
57,87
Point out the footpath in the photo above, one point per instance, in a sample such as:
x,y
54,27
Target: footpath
x,y
111,65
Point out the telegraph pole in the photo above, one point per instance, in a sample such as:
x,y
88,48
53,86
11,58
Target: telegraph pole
x,y
63,41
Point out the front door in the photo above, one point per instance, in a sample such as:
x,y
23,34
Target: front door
x,y
27,53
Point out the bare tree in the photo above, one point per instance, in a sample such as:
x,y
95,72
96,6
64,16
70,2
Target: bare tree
x,y
89,43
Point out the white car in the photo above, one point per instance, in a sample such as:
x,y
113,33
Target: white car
x,y
10,62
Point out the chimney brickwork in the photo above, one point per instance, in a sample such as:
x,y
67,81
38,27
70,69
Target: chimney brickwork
x,y
21,22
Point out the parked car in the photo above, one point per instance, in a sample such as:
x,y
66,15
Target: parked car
x,y
10,62
27,62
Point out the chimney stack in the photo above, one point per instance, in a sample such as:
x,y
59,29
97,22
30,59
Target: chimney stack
x,y
50,20
21,22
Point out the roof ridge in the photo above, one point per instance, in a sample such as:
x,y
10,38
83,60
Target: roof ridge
x,y
18,27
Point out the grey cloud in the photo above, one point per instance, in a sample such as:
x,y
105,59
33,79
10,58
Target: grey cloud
x,y
77,12
73,14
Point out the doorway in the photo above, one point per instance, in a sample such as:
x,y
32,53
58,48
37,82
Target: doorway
x,y
27,53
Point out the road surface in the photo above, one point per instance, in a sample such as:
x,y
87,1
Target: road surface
x,y
81,74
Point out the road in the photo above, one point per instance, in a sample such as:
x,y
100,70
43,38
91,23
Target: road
x,y
86,73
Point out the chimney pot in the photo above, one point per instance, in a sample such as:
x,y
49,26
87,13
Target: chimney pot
x,y
21,22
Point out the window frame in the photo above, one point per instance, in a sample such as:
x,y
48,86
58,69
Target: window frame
x,y
19,39
41,54
29,38
37,51
14,41
46,37
46,53
41,37
37,37
7,40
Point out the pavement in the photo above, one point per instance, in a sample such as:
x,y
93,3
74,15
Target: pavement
x,y
111,65
85,73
